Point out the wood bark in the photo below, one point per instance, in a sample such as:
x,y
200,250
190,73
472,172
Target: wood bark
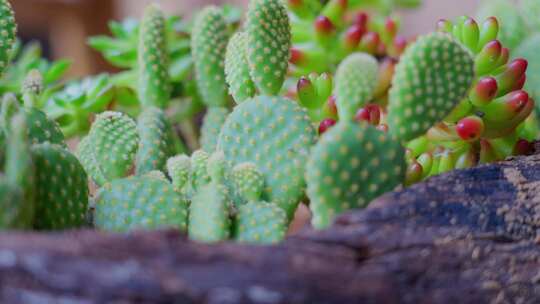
x,y
470,236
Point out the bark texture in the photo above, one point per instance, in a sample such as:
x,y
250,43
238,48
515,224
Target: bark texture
x,y
470,236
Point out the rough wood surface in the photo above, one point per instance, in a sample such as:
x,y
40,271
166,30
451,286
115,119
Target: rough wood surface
x,y
470,236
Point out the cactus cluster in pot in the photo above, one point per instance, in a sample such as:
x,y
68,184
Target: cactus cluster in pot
x,y
369,112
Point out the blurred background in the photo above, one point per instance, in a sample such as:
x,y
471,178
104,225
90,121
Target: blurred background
x,y
62,26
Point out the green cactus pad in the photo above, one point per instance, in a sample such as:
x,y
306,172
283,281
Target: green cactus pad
x,y
356,79
140,202
261,223
41,129
248,181
61,188
154,84
268,40
155,141
351,165
213,121
157,175
275,134
199,172
433,75
9,32
209,214
208,46
178,168
17,190
241,86
109,149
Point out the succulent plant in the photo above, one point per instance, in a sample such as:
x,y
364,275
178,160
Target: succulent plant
x,y
156,141
209,210
140,202
213,121
260,223
241,87
73,105
275,134
154,83
267,50
17,183
178,169
61,188
9,30
109,150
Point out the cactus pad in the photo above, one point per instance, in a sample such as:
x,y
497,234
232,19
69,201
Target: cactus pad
x,y
433,75
109,149
351,165
260,223
248,181
356,78
155,142
42,129
61,188
208,46
269,40
154,84
241,86
178,168
275,134
209,214
213,121
140,202
9,31
199,172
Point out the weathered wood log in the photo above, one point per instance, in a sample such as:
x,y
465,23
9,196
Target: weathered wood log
x,y
470,236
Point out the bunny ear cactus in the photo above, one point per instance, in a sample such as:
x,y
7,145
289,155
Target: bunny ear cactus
x,y
356,78
237,75
260,223
268,43
140,202
209,211
208,46
155,141
154,83
9,32
248,181
351,165
213,121
109,149
199,170
275,134
61,188
17,183
178,168
433,76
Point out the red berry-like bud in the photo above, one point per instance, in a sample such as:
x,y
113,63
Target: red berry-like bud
x,y
331,105
400,43
484,92
382,127
523,147
323,25
390,27
297,56
326,124
361,19
370,42
520,83
518,67
470,128
353,35
295,3
517,101
370,113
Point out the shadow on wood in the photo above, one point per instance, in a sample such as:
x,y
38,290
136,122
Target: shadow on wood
x,y
470,236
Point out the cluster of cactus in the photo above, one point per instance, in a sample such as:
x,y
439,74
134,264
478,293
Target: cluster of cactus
x,y
389,112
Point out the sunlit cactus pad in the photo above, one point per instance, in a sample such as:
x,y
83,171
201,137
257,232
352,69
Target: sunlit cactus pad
x,y
213,121
275,134
241,86
61,188
140,203
433,75
351,165
269,40
261,222
208,45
